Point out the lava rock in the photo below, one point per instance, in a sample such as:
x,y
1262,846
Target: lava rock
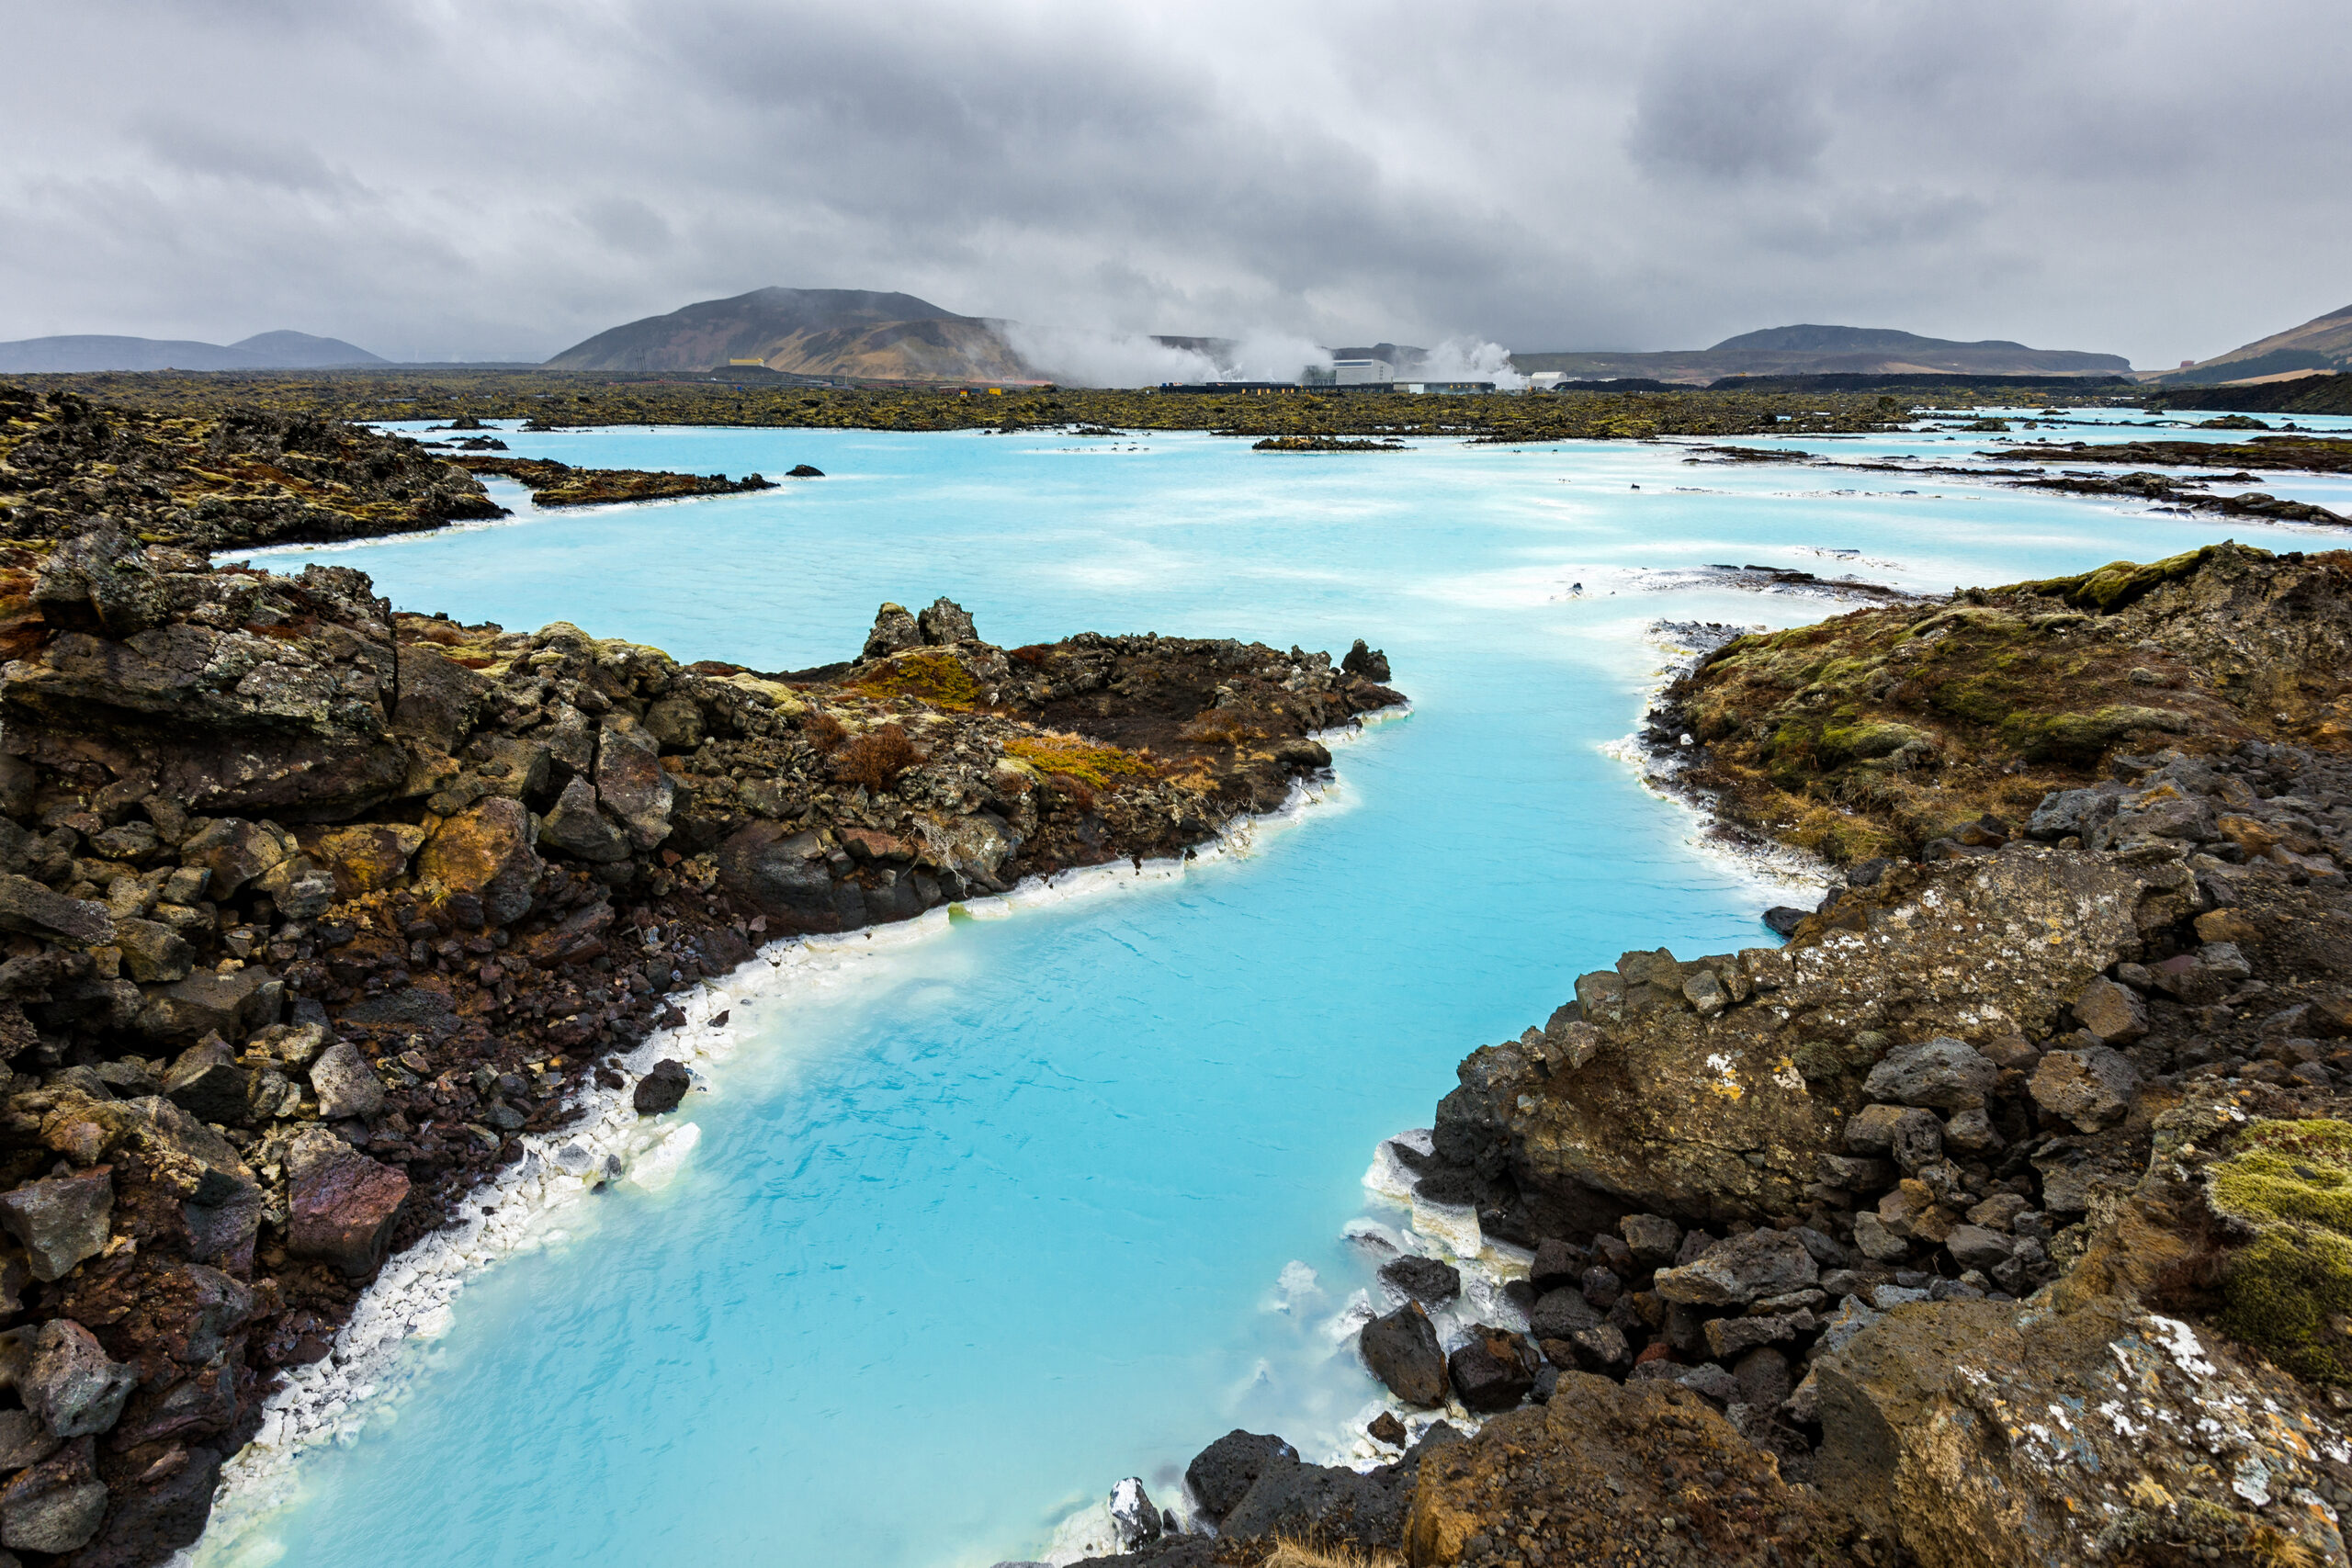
x,y
60,1221
341,1203
1654,1240
1495,1371
1558,1264
2092,1089
1221,1475
207,1084
1134,1517
1761,1263
1941,1073
1560,1313
1370,663
2115,1013
1402,1351
346,1085
661,1090
72,1385
1425,1279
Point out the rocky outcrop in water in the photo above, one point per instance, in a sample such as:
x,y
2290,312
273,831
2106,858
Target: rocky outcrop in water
x,y
309,908
1904,730
217,479
1997,1218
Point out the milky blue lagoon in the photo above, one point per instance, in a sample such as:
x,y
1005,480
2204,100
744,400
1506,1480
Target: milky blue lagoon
x,y
998,1216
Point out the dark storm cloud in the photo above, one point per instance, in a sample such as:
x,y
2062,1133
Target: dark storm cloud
x,y
503,178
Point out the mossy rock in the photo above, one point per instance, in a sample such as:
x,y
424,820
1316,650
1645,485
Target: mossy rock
x,y
2081,739
1868,740
2118,583
2289,1290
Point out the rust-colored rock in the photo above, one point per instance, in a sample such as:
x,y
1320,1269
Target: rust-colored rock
x,y
1614,1474
486,851
342,1204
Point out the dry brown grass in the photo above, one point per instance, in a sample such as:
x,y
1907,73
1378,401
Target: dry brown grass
x,y
876,757
1298,1554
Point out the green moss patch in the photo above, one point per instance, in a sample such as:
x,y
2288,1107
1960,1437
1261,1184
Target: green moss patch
x,y
2289,1290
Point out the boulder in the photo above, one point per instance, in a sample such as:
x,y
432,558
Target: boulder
x,y
101,581
895,630
1496,1371
1729,1338
577,828
153,952
781,874
1655,1239
2069,813
1557,1263
1337,1506
366,858
1761,1263
1221,1475
2092,1089
1134,1520
341,1203
631,784
1559,1314
1369,663
1402,1351
207,1003
1935,1434
72,1385
440,698
56,1506
945,623
346,1085
207,1083
1423,1279
486,851
60,1221
32,909
662,1089
1601,1348
676,723
1604,1465
24,1440
1974,1247
235,851
2115,1013
1648,1116
1942,1074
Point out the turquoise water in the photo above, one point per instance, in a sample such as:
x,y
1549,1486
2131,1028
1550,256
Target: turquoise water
x,y
1000,1217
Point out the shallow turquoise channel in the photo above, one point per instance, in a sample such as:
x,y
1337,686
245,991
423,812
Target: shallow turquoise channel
x,y
999,1218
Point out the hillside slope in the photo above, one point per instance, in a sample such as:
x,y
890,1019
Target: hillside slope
x,y
813,332
263,350
2323,343
1813,350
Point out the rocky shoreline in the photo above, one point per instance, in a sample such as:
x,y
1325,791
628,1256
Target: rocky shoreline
x,y
318,912
1996,1218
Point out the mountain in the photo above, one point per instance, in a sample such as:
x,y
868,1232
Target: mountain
x,y
1813,350
2323,343
264,351
810,331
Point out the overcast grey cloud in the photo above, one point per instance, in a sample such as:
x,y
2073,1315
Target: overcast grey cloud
x,y
503,177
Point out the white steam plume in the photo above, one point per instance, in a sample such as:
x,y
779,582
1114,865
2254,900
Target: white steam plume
x,y
1075,356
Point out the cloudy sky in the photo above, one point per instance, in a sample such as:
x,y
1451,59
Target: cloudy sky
x,y
495,178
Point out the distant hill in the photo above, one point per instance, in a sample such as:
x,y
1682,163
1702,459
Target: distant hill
x,y
263,350
810,332
2322,344
1812,350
